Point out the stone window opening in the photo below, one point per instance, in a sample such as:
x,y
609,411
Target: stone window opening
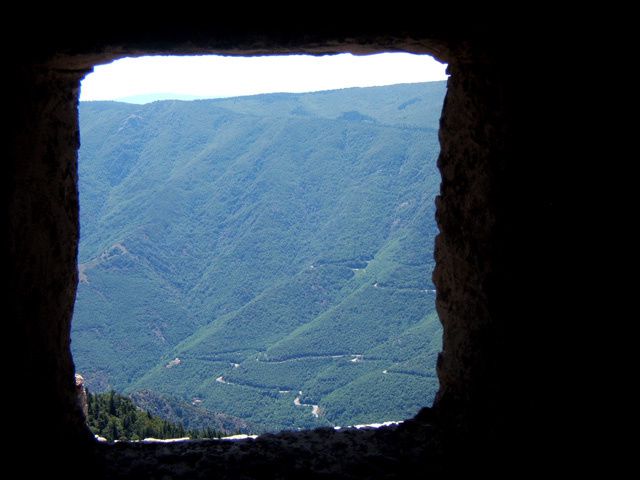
x,y
83,278
490,254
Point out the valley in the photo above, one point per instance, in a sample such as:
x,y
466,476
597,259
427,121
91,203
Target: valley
x,y
264,258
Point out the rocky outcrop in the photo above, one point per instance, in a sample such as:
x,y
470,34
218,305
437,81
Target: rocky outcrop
x,y
81,393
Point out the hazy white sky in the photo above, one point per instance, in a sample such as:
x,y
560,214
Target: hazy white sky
x,y
216,76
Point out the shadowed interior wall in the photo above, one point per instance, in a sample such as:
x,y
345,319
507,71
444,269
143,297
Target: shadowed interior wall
x,y
42,220
491,210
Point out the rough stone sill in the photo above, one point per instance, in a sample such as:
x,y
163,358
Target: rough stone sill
x,y
344,453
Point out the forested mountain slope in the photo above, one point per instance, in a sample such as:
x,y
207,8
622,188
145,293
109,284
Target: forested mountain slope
x,y
264,257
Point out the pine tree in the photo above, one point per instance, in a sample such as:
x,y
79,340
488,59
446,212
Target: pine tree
x,y
112,402
117,418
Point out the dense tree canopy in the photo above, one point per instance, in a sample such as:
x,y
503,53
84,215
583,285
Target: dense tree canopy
x,y
116,417
237,252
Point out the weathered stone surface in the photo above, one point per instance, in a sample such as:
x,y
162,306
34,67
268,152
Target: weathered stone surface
x,y
492,259
322,453
81,394
41,214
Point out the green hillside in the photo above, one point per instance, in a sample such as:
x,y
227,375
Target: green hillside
x,y
115,417
273,245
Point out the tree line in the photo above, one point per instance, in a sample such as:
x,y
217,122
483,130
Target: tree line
x,y
116,417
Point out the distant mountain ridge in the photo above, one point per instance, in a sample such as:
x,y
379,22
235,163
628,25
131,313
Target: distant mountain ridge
x,y
142,99
156,97
259,256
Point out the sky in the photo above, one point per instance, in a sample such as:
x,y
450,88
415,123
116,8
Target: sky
x,y
218,76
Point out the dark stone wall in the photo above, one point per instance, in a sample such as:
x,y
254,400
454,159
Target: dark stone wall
x,y
493,255
472,150
41,215
501,369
